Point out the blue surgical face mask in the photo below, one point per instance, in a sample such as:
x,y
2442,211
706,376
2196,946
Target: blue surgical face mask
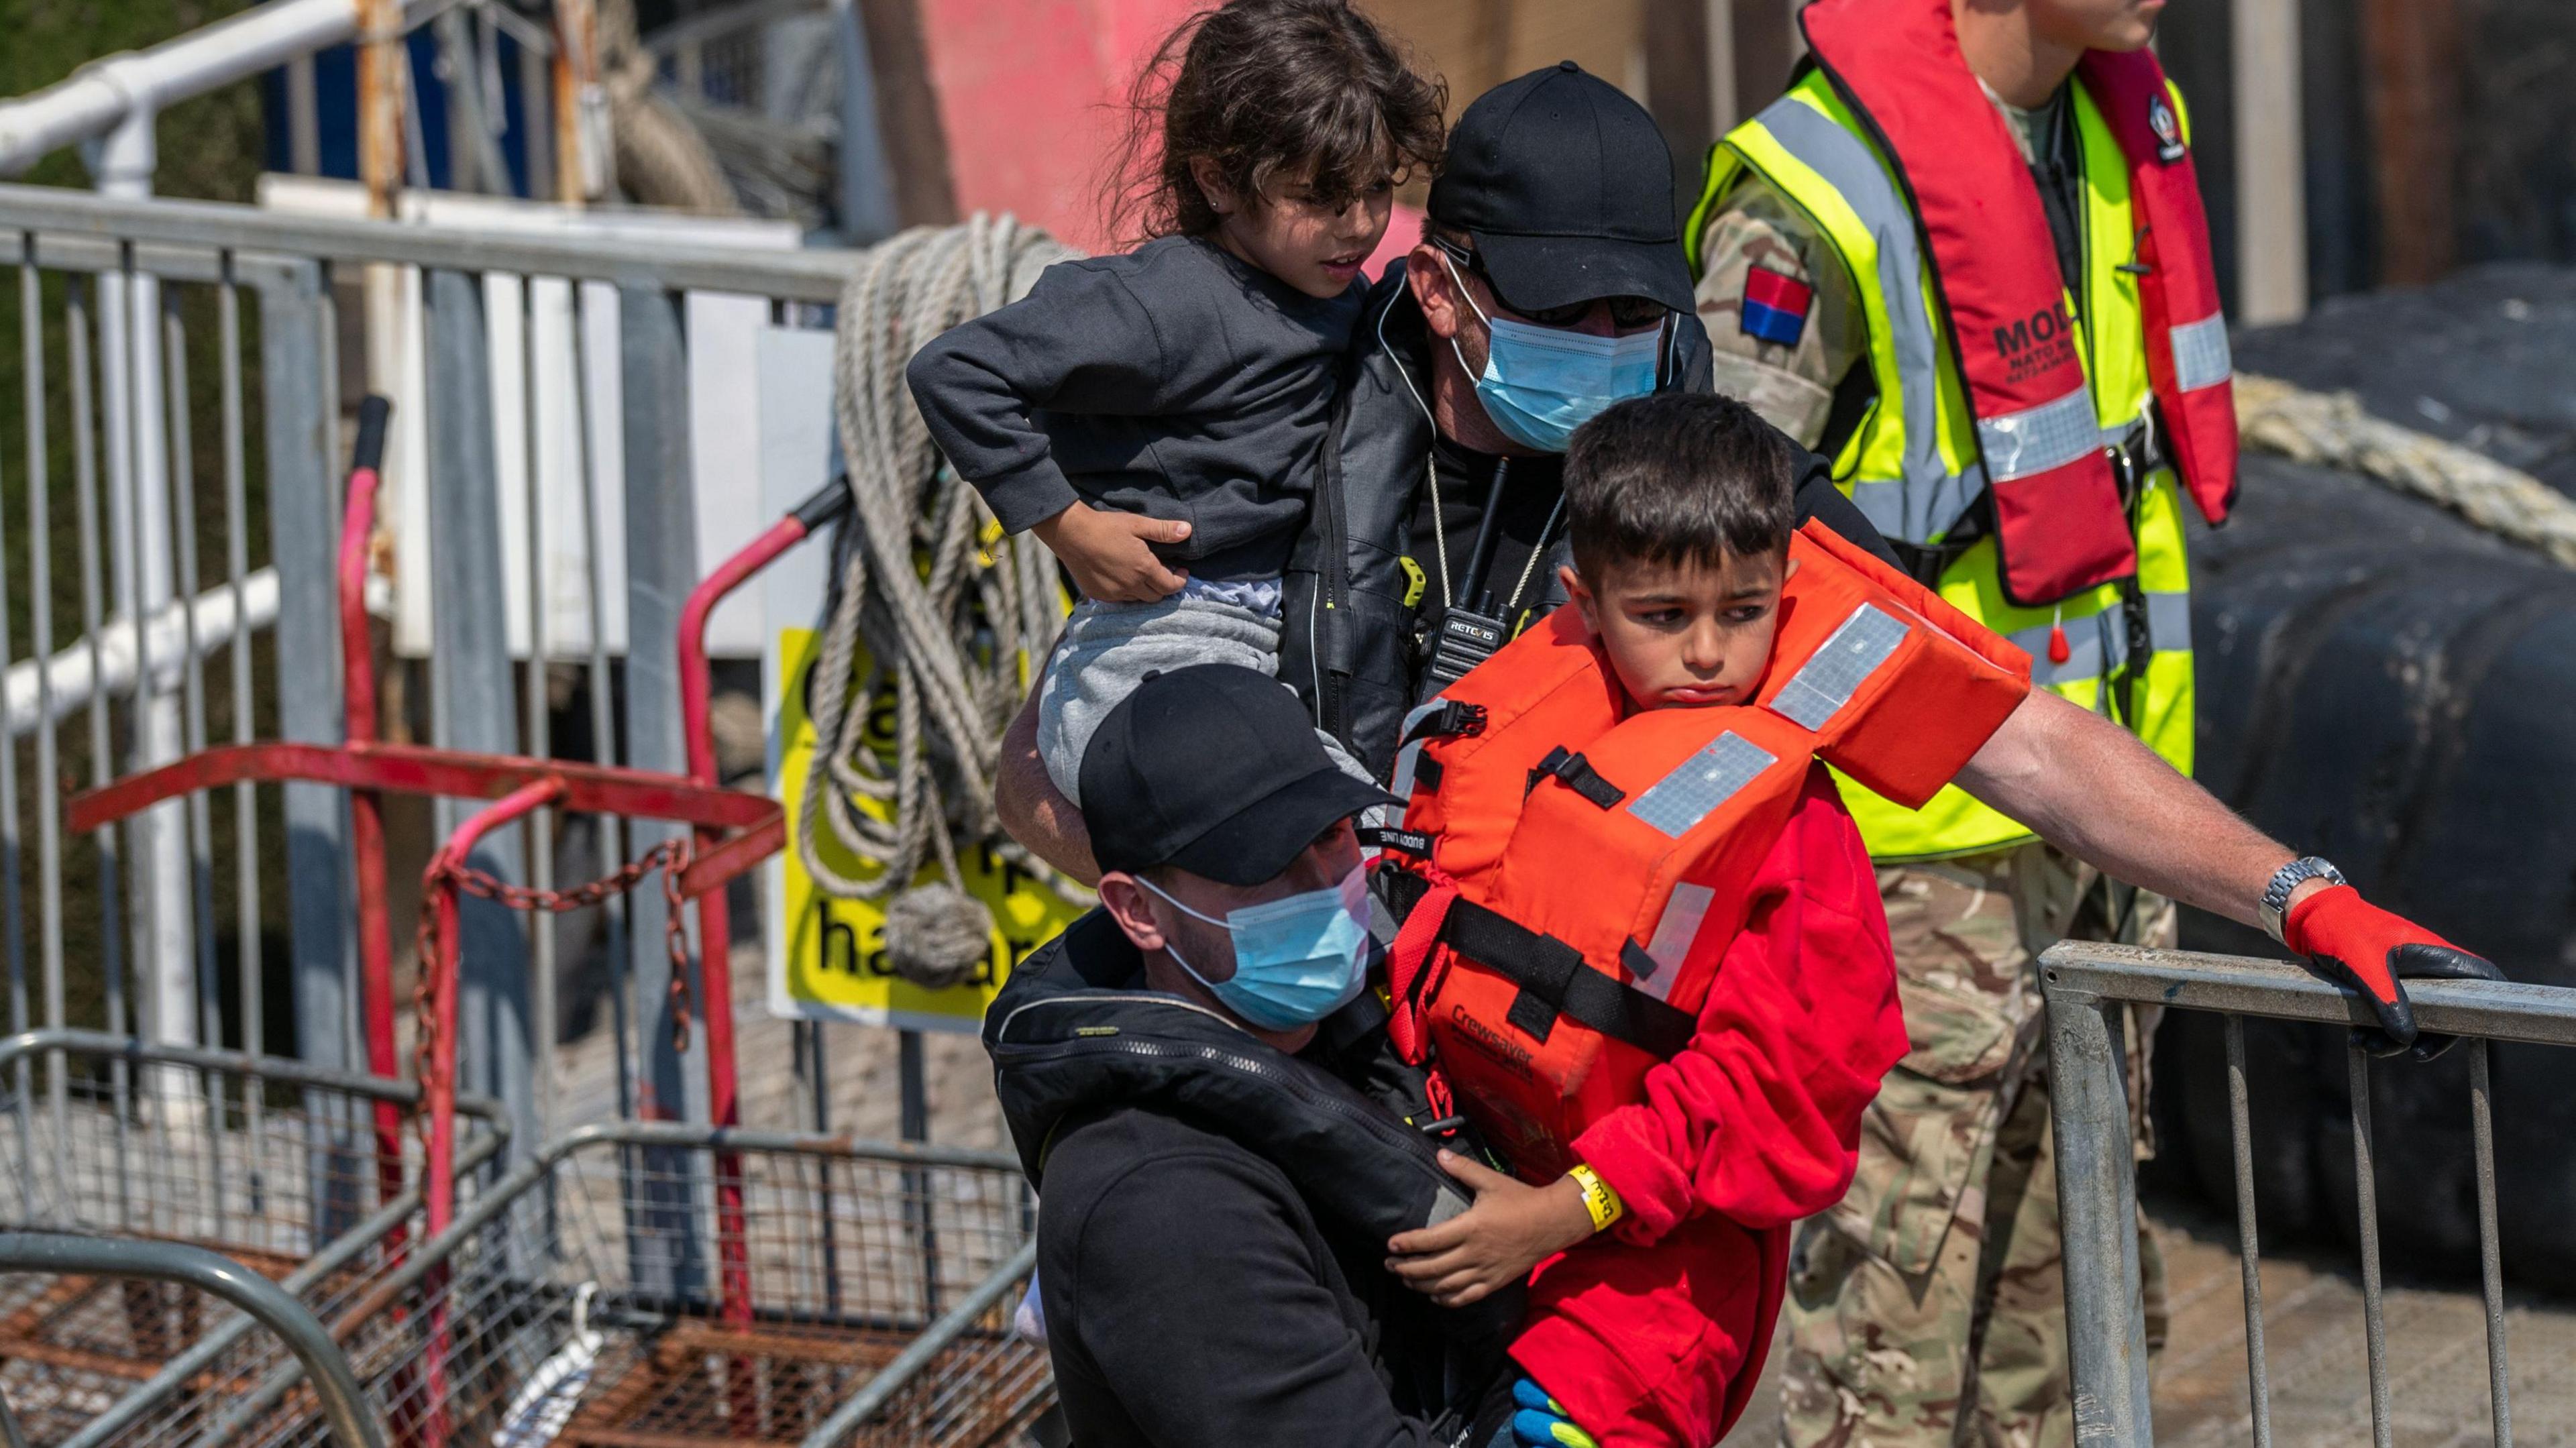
x,y
1297,959
1541,383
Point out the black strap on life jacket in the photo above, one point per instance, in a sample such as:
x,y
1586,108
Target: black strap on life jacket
x,y
1576,773
1400,889
1554,981
1448,717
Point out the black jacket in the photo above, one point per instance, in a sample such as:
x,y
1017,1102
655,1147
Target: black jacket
x,y
1173,381
1192,1178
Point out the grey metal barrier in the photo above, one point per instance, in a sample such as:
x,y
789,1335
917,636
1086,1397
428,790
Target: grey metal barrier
x,y
176,444
326,1371
2088,988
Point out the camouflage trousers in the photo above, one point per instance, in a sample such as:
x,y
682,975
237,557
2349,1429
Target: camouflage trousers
x,y
1928,1308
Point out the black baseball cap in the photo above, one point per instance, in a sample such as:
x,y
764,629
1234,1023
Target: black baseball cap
x,y
1215,769
1566,187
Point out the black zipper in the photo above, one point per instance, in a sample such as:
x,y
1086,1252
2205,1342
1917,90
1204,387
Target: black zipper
x,y
1334,571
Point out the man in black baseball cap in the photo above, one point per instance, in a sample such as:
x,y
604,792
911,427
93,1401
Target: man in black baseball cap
x,y
1215,773
1549,283
1178,1073
1564,189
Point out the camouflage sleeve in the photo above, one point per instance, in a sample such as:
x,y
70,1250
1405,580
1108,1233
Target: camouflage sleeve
x,y
1780,310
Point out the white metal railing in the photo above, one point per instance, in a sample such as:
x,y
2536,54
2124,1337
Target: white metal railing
x,y
50,692
122,94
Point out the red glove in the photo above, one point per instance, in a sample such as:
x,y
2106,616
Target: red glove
x,y
2352,942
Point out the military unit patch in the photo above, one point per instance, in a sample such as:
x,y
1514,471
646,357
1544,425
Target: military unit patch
x,y
1776,306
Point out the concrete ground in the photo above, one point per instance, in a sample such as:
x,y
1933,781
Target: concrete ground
x,y
2318,1355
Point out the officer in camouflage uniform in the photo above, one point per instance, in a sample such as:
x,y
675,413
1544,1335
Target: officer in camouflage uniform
x,y
1929,1308
1936,1283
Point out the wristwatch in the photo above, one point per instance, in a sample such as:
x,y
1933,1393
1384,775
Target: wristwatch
x,y
2276,895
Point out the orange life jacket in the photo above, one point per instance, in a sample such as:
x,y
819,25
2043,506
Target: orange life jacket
x,y
2060,517
1570,873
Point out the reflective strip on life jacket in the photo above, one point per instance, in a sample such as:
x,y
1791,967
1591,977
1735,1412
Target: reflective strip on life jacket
x,y
2040,439
1860,645
1700,785
2200,354
1408,752
1674,931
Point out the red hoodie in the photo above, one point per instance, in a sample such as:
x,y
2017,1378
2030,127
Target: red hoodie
x,y
1654,1333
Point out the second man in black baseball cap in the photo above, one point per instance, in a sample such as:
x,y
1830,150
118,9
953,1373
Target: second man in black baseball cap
x,y
1564,189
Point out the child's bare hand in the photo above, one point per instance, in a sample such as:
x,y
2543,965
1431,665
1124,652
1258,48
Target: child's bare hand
x,y
1511,1229
1109,554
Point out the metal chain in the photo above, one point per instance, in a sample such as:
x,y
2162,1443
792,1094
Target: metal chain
x,y
671,857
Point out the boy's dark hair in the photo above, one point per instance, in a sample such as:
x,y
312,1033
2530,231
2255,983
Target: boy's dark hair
x,y
1265,86
1678,477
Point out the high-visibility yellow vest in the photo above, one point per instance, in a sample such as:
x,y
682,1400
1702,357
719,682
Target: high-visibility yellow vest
x,y
1912,463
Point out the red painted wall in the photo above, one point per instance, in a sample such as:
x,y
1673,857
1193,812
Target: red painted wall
x,y
1032,94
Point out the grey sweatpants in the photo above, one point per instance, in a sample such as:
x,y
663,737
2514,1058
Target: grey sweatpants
x,y
1108,649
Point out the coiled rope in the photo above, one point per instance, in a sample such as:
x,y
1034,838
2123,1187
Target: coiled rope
x,y
954,617
2333,430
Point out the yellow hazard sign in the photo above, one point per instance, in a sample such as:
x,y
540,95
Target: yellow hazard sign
x,y
827,958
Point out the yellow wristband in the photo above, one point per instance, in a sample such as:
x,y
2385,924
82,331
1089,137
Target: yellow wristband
x,y
1598,1197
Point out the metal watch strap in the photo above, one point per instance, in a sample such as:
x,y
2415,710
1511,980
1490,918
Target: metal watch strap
x,y
2275,904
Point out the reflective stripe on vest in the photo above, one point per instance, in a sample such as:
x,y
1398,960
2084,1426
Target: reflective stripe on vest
x,y
2099,645
1924,501
2039,439
1921,503
1892,467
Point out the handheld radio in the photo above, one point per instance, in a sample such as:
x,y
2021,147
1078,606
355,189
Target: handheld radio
x,y
1471,627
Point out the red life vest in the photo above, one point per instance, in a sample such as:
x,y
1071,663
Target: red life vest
x,y
1579,870
2060,524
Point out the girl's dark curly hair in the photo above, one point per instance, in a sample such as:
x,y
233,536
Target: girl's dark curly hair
x,y
1263,87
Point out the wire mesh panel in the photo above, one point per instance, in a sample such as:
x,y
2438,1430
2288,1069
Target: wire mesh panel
x,y
128,1262
580,1301
268,1162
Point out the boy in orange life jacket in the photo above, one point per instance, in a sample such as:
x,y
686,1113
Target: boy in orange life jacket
x,y
1680,514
